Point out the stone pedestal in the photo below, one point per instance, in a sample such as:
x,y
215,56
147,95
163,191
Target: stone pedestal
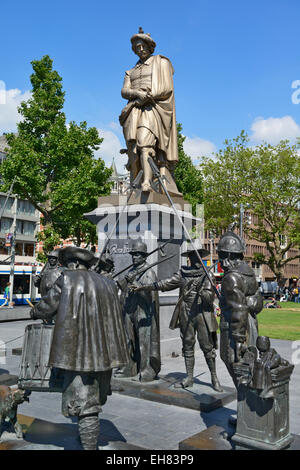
x,y
263,423
149,216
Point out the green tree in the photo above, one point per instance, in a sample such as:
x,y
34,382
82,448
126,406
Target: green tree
x,y
266,180
188,177
53,162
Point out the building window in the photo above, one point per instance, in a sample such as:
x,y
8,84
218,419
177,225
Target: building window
x,y
25,227
25,207
9,203
6,224
29,249
19,249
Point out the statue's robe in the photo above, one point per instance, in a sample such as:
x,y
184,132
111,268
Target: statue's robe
x,y
159,117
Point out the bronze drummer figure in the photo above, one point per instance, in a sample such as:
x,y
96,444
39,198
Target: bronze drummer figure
x,y
88,340
51,272
48,276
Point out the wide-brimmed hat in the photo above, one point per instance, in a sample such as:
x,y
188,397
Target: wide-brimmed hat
x,y
145,37
53,253
76,253
191,249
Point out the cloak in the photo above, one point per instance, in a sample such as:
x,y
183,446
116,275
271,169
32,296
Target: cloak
x,y
89,335
162,110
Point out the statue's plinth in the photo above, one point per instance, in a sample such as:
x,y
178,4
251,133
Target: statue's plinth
x,y
201,396
263,423
212,438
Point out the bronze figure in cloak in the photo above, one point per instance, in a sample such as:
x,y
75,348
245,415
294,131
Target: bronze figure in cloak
x,y
88,340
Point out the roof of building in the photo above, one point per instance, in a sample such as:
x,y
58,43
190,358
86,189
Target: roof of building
x,y
115,173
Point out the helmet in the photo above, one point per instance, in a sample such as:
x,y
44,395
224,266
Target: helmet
x,y
230,242
138,246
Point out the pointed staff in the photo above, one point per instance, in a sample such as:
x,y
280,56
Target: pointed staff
x,y
134,185
157,175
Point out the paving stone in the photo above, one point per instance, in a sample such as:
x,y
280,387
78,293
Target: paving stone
x,y
150,424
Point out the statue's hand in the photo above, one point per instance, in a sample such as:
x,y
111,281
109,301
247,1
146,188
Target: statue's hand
x,y
141,95
33,314
130,277
136,288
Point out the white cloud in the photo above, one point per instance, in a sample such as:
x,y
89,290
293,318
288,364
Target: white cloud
x,y
272,130
110,148
115,127
196,147
9,116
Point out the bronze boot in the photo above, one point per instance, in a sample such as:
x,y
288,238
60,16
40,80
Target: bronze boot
x,y
189,380
89,427
211,362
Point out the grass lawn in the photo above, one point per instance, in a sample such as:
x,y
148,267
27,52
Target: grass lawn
x,y
280,323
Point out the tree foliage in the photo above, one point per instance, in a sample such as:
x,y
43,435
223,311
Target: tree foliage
x,y
266,180
53,162
188,177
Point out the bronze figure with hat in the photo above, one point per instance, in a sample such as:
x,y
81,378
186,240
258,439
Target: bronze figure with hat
x,y
88,339
141,317
49,274
240,301
194,312
148,119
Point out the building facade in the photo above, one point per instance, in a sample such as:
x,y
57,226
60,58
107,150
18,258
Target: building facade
x,y
27,220
263,273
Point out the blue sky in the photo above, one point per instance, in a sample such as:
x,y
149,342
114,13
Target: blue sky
x,y
235,62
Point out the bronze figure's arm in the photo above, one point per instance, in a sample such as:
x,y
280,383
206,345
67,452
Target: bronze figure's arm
x,y
165,285
131,94
208,293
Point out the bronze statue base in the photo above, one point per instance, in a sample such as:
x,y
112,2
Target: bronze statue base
x,y
44,435
200,397
218,438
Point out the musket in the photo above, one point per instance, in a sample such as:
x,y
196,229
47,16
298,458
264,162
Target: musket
x,y
154,264
156,173
174,319
134,185
159,248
